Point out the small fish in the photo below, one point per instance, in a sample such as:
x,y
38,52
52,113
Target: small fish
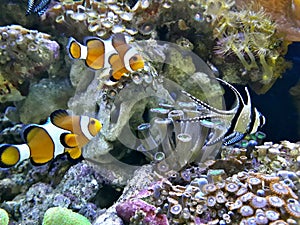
x,y
37,7
241,120
114,53
62,133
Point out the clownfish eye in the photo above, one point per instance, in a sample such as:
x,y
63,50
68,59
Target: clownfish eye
x,y
92,122
134,58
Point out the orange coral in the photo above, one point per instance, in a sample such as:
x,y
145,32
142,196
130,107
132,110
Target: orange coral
x,y
286,13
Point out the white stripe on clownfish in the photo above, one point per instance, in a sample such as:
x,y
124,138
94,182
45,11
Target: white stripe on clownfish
x,y
84,125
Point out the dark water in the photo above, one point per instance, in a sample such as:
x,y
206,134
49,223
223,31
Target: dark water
x,y
277,104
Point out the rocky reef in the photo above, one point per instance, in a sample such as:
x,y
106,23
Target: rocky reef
x,y
153,162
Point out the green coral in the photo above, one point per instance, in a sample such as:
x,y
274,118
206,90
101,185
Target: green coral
x,y
4,219
63,216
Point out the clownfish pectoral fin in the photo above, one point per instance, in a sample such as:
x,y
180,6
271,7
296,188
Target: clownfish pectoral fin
x,y
74,153
10,155
58,117
69,140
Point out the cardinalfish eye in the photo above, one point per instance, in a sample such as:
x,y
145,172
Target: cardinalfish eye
x,y
136,62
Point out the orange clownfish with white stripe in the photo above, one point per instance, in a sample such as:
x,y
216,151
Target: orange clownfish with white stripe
x,y
114,53
62,133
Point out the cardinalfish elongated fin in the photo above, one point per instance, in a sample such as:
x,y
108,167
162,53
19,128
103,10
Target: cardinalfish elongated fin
x,y
62,133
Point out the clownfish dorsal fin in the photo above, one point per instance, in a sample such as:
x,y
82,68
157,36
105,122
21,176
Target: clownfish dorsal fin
x,y
58,117
69,140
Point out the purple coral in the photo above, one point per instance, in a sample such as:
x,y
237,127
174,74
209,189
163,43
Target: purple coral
x,y
128,209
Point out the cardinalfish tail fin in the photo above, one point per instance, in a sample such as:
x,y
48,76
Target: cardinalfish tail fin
x,y
11,155
76,50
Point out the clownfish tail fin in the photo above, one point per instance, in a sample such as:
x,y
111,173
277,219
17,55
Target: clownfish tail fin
x,y
74,48
11,155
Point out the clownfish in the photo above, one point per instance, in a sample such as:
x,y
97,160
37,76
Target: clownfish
x,y
114,53
62,133
243,119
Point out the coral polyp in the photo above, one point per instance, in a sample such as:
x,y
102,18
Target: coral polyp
x,y
249,35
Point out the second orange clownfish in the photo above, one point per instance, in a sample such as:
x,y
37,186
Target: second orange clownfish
x,y
114,53
62,133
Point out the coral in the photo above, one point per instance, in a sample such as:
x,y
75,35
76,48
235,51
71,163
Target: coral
x,y
4,219
24,56
75,190
84,18
141,178
273,157
138,211
63,216
251,37
284,12
8,92
239,198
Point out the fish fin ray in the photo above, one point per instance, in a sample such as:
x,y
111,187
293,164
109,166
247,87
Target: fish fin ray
x,y
5,160
74,153
58,116
69,140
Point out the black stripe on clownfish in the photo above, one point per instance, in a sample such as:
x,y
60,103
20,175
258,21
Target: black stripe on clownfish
x,y
62,133
236,123
114,53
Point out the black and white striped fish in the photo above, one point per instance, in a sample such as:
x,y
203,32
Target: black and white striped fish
x,y
236,123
